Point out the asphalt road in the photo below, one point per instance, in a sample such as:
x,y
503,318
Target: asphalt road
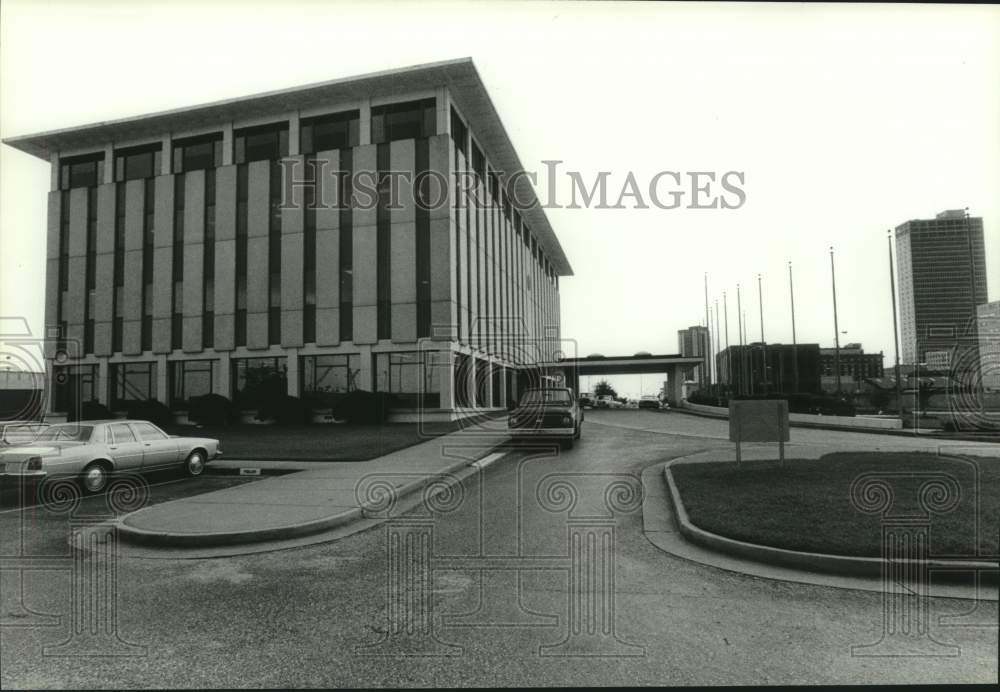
x,y
503,596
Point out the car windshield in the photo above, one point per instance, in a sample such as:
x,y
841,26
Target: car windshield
x,y
547,396
66,432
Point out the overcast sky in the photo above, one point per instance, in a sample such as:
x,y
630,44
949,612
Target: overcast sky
x,y
844,120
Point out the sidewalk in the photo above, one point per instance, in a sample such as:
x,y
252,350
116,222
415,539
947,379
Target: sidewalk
x,y
309,501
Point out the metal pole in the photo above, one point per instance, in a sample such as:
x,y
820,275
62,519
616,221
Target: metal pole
x,y
739,327
707,348
763,343
836,329
895,327
718,379
729,354
795,347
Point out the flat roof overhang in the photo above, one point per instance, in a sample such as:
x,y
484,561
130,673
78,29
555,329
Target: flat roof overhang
x,y
625,365
459,76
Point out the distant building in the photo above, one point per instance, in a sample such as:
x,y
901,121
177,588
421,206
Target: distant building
x,y
770,368
692,342
942,276
988,329
854,362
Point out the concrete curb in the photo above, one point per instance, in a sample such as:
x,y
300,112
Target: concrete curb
x,y
816,562
223,538
869,431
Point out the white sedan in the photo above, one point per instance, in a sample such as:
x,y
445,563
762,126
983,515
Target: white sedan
x,y
93,450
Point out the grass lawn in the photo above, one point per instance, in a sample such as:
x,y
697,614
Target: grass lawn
x,y
807,504
319,442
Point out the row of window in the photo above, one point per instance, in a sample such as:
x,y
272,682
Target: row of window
x,y
409,120
411,376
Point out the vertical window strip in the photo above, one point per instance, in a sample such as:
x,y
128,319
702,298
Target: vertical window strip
x,y
382,249
309,251
274,255
208,264
148,222
177,278
242,220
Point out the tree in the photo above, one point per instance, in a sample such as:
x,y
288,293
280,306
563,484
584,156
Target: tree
x,y
602,388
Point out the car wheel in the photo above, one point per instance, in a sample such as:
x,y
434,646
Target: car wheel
x,y
95,477
566,443
194,465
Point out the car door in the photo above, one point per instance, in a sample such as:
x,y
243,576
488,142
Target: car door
x,y
126,450
158,448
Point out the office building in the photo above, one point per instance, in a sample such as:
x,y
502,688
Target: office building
x,y
695,342
988,330
854,362
365,233
942,277
770,368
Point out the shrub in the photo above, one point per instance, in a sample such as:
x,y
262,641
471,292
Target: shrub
x,y
285,410
211,409
154,411
363,407
92,410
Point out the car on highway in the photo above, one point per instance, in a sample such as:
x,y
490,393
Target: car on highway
x,y
586,400
604,401
13,432
547,413
92,451
649,401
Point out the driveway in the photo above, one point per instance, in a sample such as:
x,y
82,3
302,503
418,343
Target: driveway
x,y
517,596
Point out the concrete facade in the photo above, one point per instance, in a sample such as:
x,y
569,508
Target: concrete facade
x,y
941,264
195,291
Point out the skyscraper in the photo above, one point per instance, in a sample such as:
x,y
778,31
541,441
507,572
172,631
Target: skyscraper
x,y
694,341
942,278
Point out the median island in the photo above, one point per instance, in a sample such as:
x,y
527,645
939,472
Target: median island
x,y
807,504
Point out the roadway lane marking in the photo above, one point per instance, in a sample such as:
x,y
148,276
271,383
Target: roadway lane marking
x,y
488,459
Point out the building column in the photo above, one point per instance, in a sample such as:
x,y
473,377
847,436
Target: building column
x,y
292,361
166,156
227,144
366,376
162,393
103,382
676,382
109,164
293,134
54,175
489,382
221,384
365,123
446,374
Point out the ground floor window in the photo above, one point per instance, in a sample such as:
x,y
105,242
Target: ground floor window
x,y
327,376
257,379
189,379
412,377
72,385
482,382
132,382
462,374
